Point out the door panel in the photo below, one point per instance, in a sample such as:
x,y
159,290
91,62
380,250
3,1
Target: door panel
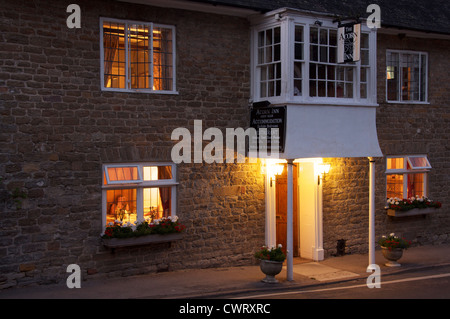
x,y
281,210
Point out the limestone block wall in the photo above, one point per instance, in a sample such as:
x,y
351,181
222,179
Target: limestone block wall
x,y
58,128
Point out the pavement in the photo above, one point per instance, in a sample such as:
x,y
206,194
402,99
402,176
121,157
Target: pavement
x,y
223,283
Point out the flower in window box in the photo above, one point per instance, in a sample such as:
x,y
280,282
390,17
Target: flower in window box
x,y
167,225
412,203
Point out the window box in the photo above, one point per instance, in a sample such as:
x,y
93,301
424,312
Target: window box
x,y
411,212
141,240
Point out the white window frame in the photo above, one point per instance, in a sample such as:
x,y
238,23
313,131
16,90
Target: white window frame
x,y
404,171
108,182
287,23
399,97
139,186
150,25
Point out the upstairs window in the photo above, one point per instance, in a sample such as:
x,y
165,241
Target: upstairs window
x,y
406,76
296,61
137,56
407,176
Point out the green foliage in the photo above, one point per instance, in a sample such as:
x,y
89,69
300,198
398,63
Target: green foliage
x,y
273,254
392,241
162,226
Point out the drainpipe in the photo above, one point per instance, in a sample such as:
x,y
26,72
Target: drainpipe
x,y
290,215
371,211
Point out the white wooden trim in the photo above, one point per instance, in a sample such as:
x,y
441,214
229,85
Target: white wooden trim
x,y
139,186
287,22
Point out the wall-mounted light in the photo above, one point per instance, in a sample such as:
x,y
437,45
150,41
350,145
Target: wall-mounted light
x,y
274,170
317,22
322,169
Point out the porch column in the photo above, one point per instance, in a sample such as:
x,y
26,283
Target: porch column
x,y
290,221
371,211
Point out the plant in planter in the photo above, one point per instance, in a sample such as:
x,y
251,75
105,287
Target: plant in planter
x,y
392,248
118,234
271,262
412,203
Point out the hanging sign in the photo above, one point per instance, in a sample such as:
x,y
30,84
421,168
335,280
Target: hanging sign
x,y
349,36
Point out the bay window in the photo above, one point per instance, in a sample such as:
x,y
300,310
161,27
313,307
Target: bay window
x,y
406,176
137,56
295,61
137,192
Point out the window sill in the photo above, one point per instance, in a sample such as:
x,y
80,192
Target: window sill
x,y
320,102
139,91
411,212
141,240
406,102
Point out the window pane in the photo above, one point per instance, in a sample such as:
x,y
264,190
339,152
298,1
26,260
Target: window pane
x,y
114,55
338,80
394,185
138,50
313,38
122,174
121,205
416,185
395,163
269,55
298,33
162,59
417,162
323,36
299,51
333,37
157,202
423,78
154,173
392,76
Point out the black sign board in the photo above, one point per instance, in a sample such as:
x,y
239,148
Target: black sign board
x,y
272,117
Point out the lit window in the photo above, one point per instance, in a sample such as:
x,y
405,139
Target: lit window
x,y
406,176
406,76
137,56
117,174
138,192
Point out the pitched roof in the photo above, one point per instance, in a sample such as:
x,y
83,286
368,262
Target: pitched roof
x,y
421,15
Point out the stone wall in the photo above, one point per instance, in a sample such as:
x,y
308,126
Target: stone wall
x,y
58,128
403,129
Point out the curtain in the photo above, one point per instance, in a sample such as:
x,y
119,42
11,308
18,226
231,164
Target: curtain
x,y
164,172
110,47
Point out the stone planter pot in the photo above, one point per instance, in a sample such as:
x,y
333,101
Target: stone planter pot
x,y
141,240
270,269
392,256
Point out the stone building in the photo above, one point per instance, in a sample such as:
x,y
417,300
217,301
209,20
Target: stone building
x,y
88,117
